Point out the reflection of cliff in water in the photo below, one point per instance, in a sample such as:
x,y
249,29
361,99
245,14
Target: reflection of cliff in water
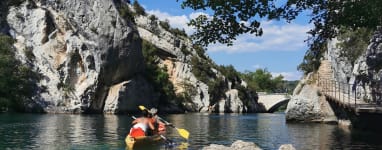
x,y
312,136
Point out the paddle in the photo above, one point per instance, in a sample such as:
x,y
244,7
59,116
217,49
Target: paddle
x,y
168,141
183,132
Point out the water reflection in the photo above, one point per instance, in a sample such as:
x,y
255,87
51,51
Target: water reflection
x,y
269,131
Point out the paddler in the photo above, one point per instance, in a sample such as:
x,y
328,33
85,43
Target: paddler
x,y
142,125
160,126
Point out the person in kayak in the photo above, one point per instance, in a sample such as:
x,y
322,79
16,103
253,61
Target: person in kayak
x,y
160,126
142,125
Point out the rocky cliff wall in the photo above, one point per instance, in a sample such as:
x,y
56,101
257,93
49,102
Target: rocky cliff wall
x,y
90,58
179,67
366,73
81,48
365,76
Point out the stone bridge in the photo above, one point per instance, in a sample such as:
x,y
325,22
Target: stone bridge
x,y
272,102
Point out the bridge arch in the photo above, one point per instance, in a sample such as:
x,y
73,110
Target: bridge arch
x,y
272,102
278,105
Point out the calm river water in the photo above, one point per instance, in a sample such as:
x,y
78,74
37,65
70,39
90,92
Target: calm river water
x,y
269,131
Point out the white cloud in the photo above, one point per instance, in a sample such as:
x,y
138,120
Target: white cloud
x,y
290,76
276,37
257,66
177,21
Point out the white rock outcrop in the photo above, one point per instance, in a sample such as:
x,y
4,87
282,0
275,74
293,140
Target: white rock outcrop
x,y
81,48
308,105
90,59
237,145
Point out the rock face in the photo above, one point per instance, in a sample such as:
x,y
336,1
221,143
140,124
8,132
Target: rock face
x,y
365,75
307,105
241,145
82,48
179,68
90,57
367,71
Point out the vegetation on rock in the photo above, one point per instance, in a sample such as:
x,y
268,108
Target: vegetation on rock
x,y
353,43
158,76
17,81
263,81
139,10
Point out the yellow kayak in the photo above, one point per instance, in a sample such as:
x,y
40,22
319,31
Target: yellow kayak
x,y
131,141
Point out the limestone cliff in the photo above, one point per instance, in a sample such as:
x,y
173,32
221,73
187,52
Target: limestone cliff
x,y
364,75
308,105
177,52
90,57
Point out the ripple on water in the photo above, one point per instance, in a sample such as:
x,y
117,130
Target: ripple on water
x,y
269,131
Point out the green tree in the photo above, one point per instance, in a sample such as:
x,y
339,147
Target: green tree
x,y
262,80
227,20
353,42
157,75
17,81
139,9
231,18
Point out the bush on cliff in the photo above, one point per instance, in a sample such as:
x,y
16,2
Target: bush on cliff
x,y
157,75
17,81
353,42
139,9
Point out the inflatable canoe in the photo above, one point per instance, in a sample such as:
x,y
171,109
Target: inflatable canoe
x,y
141,140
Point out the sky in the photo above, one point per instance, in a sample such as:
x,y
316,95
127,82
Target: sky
x,y
280,49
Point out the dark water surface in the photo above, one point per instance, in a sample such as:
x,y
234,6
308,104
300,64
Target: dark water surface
x,y
269,131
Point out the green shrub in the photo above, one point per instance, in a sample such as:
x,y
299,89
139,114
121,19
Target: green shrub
x,y
262,80
156,75
178,32
165,25
17,81
126,13
189,90
202,69
15,2
216,89
29,53
311,61
184,50
353,42
139,9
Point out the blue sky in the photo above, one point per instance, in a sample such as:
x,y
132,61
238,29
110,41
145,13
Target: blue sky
x,y
279,50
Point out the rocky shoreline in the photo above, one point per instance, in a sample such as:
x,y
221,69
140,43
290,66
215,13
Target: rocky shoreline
x,y
241,145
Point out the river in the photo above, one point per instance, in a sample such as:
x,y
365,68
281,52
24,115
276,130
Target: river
x,y
269,131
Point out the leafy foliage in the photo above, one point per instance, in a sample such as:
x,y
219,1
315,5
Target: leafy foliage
x,y
189,90
126,13
157,75
202,69
177,32
17,81
139,9
227,21
311,60
262,80
353,43
165,25
327,16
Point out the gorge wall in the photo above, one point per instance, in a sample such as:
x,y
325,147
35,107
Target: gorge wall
x,y
363,72
89,54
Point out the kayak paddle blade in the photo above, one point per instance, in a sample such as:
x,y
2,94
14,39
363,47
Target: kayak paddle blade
x,y
142,107
184,133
